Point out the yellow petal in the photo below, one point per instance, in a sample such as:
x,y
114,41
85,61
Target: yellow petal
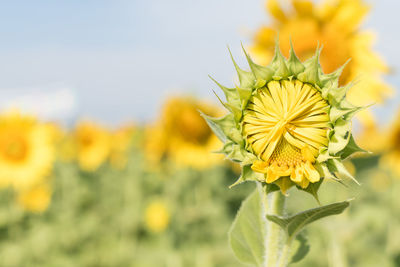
x,y
311,173
275,10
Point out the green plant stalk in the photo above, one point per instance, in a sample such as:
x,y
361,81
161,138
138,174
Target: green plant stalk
x,y
275,204
285,254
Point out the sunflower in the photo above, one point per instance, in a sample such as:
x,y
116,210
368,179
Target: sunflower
x,y
156,217
372,131
334,25
120,145
391,147
36,198
182,135
289,124
93,144
26,150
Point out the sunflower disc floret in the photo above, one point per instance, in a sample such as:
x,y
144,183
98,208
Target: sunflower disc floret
x,y
288,123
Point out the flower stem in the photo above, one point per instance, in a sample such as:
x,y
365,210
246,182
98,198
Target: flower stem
x,y
275,204
285,254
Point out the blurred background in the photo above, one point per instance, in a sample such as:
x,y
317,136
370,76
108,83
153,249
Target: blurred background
x,y
105,161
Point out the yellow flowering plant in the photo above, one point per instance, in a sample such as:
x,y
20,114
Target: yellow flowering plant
x,y
182,136
26,150
289,124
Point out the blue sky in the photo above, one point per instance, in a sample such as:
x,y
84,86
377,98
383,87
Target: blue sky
x,y
115,61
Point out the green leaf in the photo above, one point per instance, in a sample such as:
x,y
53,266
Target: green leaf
x,y
302,250
294,224
247,233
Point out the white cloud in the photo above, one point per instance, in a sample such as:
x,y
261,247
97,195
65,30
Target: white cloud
x,y
48,102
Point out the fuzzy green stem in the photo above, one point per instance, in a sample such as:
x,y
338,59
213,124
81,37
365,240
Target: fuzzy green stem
x,y
285,254
275,204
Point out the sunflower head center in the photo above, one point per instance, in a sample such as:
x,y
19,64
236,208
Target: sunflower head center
x,y
286,155
192,127
15,148
283,118
86,140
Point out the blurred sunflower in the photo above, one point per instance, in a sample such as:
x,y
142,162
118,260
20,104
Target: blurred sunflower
x,y
36,198
156,217
335,25
93,144
121,142
26,150
182,135
391,148
372,131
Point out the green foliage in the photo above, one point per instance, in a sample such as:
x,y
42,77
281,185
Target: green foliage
x,y
97,219
295,223
302,250
247,234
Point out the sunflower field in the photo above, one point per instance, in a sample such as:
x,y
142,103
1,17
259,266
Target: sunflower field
x,y
231,182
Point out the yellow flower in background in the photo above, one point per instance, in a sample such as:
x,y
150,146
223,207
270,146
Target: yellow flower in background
x,y
336,26
93,144
182,135
121,141
156,217
391,149
36,198
26,150
372,138
67,148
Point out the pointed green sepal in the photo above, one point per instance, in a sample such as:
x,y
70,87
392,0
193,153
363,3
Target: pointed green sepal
x,y
248,175
238,154
231,94
312,189
279,65
224,128
336,95
244,95
246,78
324,155
294,64
343,112
351,148
260,72
340,137
332,79
337,166
311,72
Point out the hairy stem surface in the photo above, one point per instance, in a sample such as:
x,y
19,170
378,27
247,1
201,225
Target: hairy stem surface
x,y
274,204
